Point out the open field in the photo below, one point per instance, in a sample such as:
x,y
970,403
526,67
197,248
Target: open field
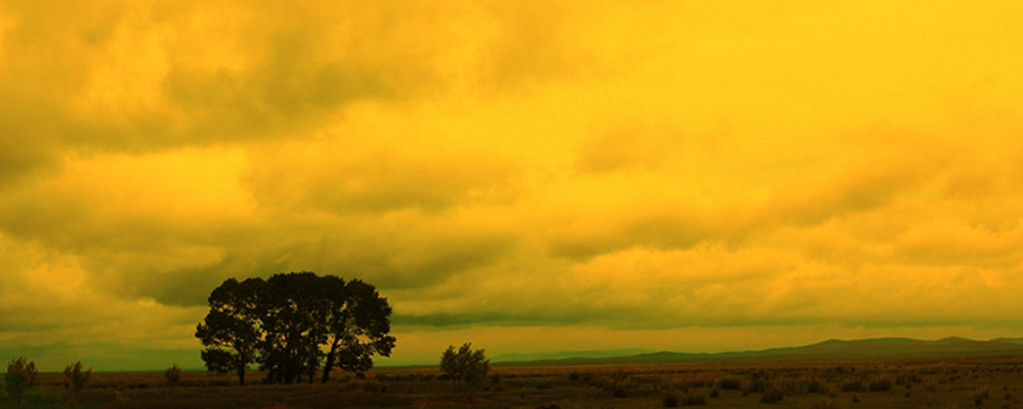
x,y
919,383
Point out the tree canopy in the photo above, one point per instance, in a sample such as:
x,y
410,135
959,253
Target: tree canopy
x,y
293,325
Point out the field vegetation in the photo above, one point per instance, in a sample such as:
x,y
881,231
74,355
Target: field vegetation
x,y
920,383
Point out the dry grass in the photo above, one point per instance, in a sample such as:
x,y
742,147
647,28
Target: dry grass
x,y
960,383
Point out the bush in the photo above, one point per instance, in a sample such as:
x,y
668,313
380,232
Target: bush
x,y
755,386
772,394
21,375
76,379
714,393
619,392
881,384
816,386
670,400
980,394
173,375
574,376
853,386
730,383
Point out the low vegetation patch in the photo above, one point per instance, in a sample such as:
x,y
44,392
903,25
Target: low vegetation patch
x,y
730,383
853,386
882,383
772,394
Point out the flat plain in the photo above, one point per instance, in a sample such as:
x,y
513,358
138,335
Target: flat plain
x,y
987,382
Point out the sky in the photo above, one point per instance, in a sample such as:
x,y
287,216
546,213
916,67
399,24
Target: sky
x,y
529,176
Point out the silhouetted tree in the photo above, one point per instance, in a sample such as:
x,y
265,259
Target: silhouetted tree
x,y
230,331
292,318
76,379
465,366
21,375
358,325
293,325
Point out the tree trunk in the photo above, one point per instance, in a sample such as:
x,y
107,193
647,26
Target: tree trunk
x,y
329,363
243,359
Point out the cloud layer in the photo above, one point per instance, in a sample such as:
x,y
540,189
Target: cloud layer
x,y
637,170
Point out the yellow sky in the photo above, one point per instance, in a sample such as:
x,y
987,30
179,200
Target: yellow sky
x,y
684,175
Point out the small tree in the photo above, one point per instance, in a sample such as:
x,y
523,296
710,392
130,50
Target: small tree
x,y
21,375
76,379
464,366
173,375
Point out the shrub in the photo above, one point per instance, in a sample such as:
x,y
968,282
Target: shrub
x,y
76,379
544,385
670,400
619,392
908,379
772,394
816,386
574,376
693,399
853,386
714,393
881,384
173,375
980,394
755,386
21,375
730,383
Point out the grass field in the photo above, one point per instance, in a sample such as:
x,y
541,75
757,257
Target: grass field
x,y
931,383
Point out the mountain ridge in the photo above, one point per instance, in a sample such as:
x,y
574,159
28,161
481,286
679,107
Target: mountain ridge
x,y
886,347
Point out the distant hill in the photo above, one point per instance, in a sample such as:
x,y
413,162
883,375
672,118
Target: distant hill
x,y
555,355
826,350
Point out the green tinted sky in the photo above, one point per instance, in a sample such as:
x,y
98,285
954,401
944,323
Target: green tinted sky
x,y
685,175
